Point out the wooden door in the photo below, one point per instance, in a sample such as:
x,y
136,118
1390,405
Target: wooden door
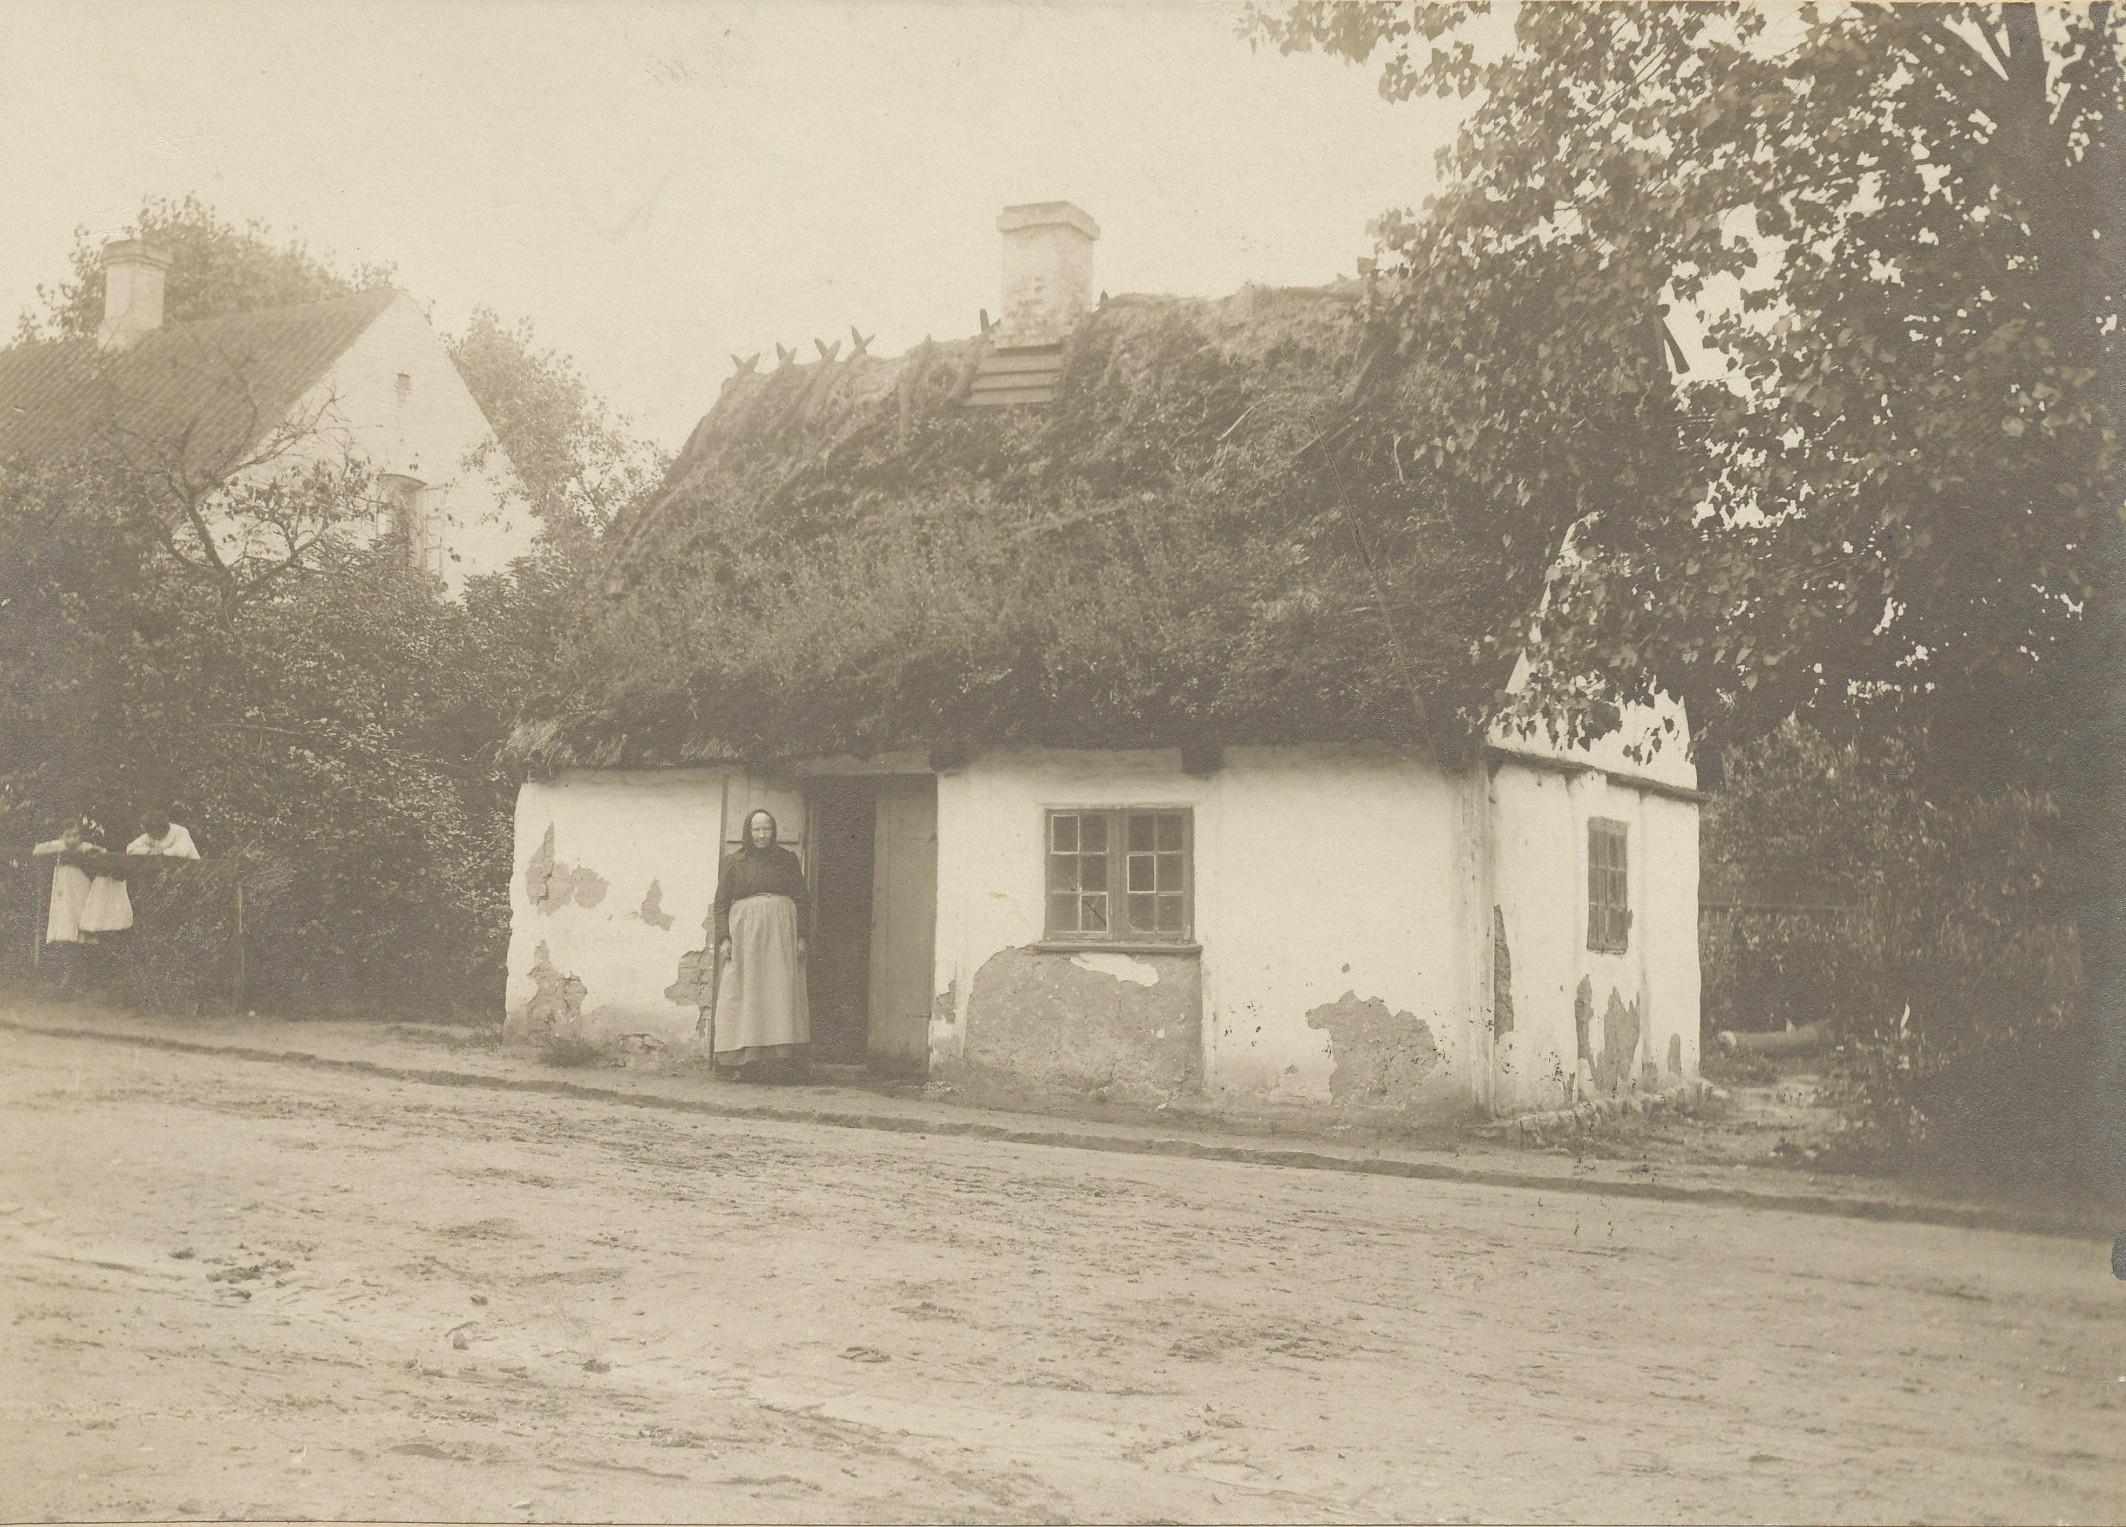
x,y
903,921
843,880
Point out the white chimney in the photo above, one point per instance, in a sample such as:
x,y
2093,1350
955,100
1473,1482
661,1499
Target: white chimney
x,y
1048,271
132,292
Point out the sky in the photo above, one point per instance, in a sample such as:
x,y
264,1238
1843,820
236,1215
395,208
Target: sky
x,y
658,187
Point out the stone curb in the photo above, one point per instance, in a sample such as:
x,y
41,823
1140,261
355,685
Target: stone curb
x,y
1971,1217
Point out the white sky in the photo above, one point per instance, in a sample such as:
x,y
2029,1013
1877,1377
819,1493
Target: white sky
x,y
657,186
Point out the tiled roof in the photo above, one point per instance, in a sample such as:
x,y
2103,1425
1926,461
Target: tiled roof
x,y
209,388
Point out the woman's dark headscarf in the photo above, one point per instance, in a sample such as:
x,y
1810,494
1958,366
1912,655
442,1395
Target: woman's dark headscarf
x,y
745,841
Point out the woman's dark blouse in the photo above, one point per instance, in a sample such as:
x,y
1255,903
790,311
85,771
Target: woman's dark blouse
x,y
761,872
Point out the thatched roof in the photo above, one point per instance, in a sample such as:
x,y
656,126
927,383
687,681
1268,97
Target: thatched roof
x,y
1194,540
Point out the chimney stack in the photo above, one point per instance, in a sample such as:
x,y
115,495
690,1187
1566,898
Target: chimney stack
x,y
133,271
1048,271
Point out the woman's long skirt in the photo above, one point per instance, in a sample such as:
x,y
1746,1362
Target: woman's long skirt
x,y
761,1010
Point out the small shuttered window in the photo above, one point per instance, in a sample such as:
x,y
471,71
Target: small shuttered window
x,y
1608,887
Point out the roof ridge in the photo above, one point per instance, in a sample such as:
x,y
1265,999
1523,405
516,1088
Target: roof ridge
x,y
368,295
56,395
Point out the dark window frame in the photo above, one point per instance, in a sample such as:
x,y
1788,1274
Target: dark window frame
x,y
1067,884
413,516
1608,885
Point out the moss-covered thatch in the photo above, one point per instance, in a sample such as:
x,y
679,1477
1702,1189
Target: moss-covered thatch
x,y
1218,532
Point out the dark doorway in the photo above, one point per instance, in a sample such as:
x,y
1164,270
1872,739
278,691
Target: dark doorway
x,y
845,819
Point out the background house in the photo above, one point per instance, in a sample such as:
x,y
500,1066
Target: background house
x,y
247,395
1098,718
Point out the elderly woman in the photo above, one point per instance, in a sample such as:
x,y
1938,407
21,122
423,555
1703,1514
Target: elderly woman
x,y
763,1021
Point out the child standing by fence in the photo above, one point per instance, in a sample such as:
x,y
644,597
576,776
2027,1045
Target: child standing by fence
x,y
70,886
109,906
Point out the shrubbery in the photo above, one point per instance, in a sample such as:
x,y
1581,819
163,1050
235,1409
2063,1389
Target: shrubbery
x,y
333,732
1957,944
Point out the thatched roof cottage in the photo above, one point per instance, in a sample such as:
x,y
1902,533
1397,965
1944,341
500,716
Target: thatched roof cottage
x,y
1131,706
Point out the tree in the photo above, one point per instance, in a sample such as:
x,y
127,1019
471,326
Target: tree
x,y
1894,497
217,268
205,618
580,464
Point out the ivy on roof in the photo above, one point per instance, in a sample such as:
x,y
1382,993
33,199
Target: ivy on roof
x,y
1202,538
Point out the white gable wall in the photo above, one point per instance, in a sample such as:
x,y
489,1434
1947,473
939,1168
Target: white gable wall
x,y
1639,1007
431,431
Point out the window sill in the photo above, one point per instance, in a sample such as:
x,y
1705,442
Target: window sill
x,y
1112,946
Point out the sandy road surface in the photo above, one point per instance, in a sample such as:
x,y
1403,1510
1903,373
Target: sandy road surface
x,y
400,1300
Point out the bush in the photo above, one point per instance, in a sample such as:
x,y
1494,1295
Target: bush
x,y
1955,945
330,736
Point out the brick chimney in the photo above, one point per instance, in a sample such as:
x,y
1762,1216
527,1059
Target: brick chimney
x,y
1048,271
132,292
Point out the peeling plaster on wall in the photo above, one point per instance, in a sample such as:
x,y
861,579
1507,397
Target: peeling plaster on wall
x,y
1380,1058
1675,1055
695,980
545,883
1620,1044
551,885
944,1011
653,911
1583,1017
557,1002
1501,977
1043,1022
695,985
1121,966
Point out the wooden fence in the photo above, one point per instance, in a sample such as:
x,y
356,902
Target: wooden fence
x,y
185,948
1774,954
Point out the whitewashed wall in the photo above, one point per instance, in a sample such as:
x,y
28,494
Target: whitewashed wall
x,y
1327,879
618,901
1539,875
432,432
1343,904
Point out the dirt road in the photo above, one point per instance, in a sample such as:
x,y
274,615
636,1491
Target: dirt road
x,y
249,1289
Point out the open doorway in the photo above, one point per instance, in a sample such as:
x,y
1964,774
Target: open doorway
x,y
844,823
874,919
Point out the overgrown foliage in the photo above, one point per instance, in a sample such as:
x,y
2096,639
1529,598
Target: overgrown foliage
x,y
1915,921
325,732
1897,469
1887,495
580,464
232,640
217,268
1192,543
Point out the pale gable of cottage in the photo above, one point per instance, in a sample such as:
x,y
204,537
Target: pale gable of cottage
x,y
251,394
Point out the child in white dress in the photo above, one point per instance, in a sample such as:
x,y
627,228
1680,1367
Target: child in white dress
x,y
70,886
109,906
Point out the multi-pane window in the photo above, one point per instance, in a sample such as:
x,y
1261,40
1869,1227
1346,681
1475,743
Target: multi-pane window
x,y
1121,875
1608,887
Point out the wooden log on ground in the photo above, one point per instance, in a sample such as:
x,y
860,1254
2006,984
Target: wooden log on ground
x,y
1806,1040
